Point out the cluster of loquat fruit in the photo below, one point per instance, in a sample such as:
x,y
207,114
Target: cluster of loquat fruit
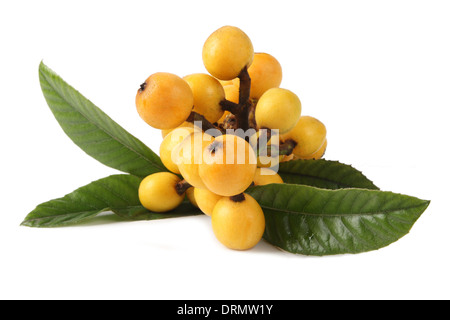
x,y
224,132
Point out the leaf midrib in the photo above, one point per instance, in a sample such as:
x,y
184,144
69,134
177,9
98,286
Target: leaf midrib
x,y
96,125
84,211
340,185
340,214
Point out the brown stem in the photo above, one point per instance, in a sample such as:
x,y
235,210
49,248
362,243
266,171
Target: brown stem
x,y
242,112
264,132
244,99
229,123
242,118
251,115
182,186
284,148
287,147
205,124
244,86
227,105
243,109
238,198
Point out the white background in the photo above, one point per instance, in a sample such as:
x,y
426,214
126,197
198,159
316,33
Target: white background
x,y
377,73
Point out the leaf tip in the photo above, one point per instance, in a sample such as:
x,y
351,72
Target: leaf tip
x,y
42,65
24,223
426,203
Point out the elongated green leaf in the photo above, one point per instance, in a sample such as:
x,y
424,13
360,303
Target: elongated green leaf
x,y
324,174
140,213
95,132
312,221
117,193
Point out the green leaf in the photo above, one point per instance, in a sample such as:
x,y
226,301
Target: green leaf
x,y
116,193
140,213
324,174
312,221
94,131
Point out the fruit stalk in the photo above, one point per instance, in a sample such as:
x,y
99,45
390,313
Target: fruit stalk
x,y
230,122
242,110
244,99
182,186
244,87
251,115
195,117
238,198
227,105
287,147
